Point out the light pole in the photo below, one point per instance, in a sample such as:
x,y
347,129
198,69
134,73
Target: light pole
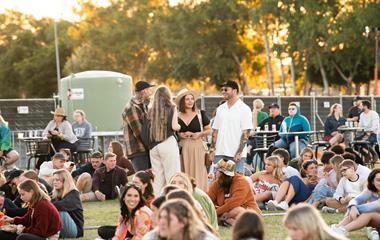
x,y
375,76
57,55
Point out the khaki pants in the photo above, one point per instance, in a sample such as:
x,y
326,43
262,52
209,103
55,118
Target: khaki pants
x,y
165,161
333,203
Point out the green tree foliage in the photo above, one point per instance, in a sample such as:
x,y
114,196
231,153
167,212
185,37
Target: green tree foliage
x,y
27,55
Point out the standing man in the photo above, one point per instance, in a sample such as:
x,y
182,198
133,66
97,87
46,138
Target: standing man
x,y
232,124
133,115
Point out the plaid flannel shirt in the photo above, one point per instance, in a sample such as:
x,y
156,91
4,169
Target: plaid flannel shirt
x,y
132,122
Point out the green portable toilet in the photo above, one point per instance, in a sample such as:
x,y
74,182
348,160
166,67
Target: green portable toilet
x,y
102,95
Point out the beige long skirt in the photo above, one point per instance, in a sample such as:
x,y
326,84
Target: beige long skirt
x,y
193,158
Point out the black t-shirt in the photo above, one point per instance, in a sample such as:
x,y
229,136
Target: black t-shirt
x,y
106,184
354,112
194,125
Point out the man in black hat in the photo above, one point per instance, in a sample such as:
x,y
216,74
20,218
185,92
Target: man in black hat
x,y
47,168
133,115
274,119
355,111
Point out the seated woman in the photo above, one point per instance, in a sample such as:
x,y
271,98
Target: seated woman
x,y
60,132
334,120
183,181
177,220
267,182
295,189
304,222
40,222
135,218
144,179
11,155
66,199
249,225
121,160
363,210
82,129
306,154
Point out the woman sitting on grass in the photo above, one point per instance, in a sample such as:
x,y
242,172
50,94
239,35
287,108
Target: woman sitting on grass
x,y
66,199
304,222
363,210
295,189
40,222
135,217
267,182
144,179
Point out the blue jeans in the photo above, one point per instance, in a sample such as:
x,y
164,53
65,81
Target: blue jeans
x,y
239,165
321,191
69,228
302,143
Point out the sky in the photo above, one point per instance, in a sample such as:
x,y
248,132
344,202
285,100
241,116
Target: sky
x,y
59,9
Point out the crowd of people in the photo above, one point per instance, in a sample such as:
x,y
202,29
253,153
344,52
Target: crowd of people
x,y
182,175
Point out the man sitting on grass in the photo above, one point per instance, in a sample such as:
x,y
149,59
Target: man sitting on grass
x,y
47,168
105,180
231,193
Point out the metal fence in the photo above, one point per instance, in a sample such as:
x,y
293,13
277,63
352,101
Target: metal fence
x,y
314,108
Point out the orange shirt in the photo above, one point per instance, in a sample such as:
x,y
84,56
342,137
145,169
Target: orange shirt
x,y
241,195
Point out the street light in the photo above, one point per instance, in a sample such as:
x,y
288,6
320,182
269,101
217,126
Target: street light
x,y
377,36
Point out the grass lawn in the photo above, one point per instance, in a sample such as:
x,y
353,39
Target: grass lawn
x,y
106,213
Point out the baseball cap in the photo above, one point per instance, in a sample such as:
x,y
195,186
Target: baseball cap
x,y
231,84
274,105
59,156
227,167
141,85
96,154
13,174
358,98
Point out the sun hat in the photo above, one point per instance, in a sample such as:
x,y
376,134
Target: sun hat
x,y
183,92
227,167
59,112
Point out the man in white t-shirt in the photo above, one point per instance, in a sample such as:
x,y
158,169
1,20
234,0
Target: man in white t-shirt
x,y
232,124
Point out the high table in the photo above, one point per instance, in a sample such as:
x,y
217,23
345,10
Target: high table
x,y
351,130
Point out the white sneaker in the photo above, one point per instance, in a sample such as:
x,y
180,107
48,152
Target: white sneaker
x,y
283,205
339,229
373,235
272,205
326,209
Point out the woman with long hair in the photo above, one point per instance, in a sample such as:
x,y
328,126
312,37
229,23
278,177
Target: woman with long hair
x,y
65,197
304,222
82,129
363,210
135,217
177,220
121,160
267,182
42,219
257,115
164,151
333,121
305,155
295,189
195,126
144,179
206,205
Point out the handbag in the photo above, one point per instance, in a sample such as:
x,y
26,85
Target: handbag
x,y
207,159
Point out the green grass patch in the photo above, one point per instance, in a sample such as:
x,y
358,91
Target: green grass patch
x,y
106,213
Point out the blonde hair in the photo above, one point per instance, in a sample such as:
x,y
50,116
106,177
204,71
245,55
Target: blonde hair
x,y
336,161
186,180
30,174
158,114
278,164
81,112
193,227
306,218
38,194
68,184
333,107
258,104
